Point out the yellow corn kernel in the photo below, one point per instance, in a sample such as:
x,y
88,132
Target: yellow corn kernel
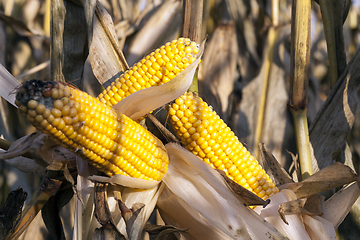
x,y
107,139
157,68
214,142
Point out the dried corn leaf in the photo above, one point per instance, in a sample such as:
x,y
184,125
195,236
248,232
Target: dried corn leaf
x,y
105,54
336,117
294,207
74,42
11,212
160,232
338,11
315,204
273,168
276,121
46,154
338,206
218,69
290,225
249,198
19,26
333,176
309,206
132,197
319,228
107,233
8,83
162,26
84,221
242,13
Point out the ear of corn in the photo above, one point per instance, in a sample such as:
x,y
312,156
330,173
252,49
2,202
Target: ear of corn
x,y
107,139
203,133
157,68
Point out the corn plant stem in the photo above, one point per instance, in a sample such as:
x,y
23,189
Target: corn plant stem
x,y
327,16
275,12
58,12
47,18
265,83
4,144
192,26
299,79
302,139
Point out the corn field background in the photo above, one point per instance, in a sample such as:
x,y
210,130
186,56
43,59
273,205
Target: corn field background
x,y
241,59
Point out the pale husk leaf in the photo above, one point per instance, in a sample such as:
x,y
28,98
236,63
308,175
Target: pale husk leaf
x,y
137,104
126,181
294,230
203,189
149,197
338,206
84,222
319,228
104,53
175,211
8,83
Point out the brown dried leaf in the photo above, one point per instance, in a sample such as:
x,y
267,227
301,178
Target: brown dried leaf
x,y
218,69
273,168
315,204
74,42
107,233
102,212
162,232
309,206
130,215
293,207
11,212
336,117
333,176
249,198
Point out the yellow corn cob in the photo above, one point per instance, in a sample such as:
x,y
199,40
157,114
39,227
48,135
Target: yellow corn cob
x,y
203,133
107,139
157,68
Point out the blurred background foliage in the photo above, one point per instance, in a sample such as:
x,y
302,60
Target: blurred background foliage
x,y
230,76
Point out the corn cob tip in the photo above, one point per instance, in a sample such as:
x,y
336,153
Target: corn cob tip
x,y
206,135
155,69
107,139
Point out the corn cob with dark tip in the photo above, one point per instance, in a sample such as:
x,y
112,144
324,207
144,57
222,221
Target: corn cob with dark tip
x,y
203,133
157,68
107,139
